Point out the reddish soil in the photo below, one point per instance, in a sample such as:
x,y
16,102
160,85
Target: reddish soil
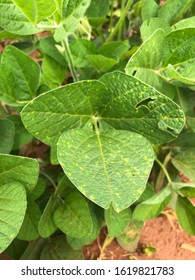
x,y
169,240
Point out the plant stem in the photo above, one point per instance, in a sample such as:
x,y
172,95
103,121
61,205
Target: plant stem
x,y
161,175
120,22
68,57
49,178
121,26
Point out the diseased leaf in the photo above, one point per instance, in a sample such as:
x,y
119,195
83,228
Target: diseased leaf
x,y
7,132
12,211
152,207
106,167
73,216
116,222
29,228
14,20
186,214
19,77
58,249
15,169
118,99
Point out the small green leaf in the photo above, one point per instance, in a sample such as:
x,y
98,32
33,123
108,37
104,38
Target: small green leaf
x,y
149,9
14,20
113,50
148,193
172,10
12,211
98,9
185,162
116,222
152,207
186,214
36,10
7,132
73,216
186,189
150,26
22,136
19,169
58,249
101,63
16,66
38,190
29,228
106,167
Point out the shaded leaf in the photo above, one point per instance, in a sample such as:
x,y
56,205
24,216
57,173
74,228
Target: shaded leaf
x,y
7,132
116,222
29,228
73,216
57,249
186,189
152,207
186,214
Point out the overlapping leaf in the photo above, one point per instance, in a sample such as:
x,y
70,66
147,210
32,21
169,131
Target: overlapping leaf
x,y
12,211
106,167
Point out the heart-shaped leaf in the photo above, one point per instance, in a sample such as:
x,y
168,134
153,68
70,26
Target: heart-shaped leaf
x,y
110,167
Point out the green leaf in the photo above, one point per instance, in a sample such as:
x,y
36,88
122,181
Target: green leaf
x,y
72,13
101,63
19,77
113,50
63,109
12,211
15,169
76,243
7,132
46,224
98,9
116,222
138,107
58,249
184,141
73,216
49,47
152,207
186,214
118,102
149,55
150,26
53,155
185,23
22,136
53,73
80,49
186,189
14,20
179,46
148,193
16,249
38,190
106,167
149,9
29,228
185,163
172,10
36,10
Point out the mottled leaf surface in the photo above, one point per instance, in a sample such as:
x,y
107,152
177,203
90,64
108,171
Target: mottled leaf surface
x,y
19,169
12,211
106,167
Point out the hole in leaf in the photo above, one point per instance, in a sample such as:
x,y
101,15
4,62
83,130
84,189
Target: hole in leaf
x,y
172,131
134,72
144,102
